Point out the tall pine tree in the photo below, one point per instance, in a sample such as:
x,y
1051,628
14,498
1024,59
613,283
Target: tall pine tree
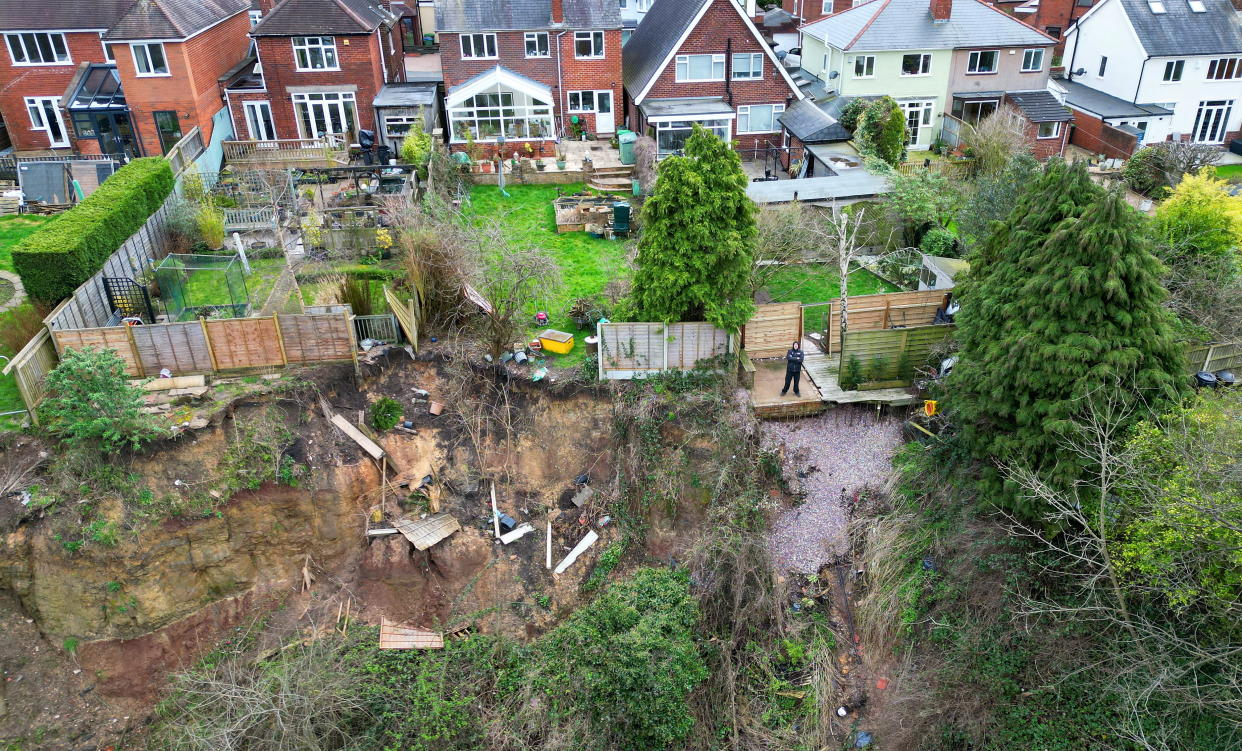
x,y
696,251
1065,312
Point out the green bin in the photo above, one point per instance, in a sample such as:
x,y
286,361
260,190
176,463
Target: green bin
x,y
625,140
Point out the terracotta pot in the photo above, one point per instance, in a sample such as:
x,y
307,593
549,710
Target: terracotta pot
x,y
435,408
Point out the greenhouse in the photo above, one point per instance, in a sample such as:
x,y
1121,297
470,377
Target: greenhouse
x,y
202,285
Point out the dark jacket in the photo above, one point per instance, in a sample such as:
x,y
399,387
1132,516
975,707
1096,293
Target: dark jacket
x,y
793,360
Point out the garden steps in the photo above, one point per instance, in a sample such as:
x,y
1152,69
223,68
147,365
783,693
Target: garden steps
x,y
610,184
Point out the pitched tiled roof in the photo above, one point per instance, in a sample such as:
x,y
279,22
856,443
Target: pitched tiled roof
x,y
655,38
1040,106
61,14
322,17
172,19
881,25
499,15
1181,31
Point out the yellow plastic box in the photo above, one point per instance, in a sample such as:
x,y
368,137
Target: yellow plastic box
x,y
556,341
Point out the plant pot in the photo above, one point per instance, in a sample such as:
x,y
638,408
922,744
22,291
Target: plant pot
x,y
560,164
435,408
540,166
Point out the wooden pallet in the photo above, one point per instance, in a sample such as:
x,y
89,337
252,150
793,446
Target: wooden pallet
x,y
397,636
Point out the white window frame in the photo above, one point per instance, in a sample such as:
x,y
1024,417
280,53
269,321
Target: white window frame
x,y
925,62
522,110
1056,131
1231,65
592,37
255,17
107,50
485,42
1173,71
141,52
13,41
743,115
303,47
1032,55
35,105
580,107
868,63
250,110
974,58
716,60
344,100
752,73
535,36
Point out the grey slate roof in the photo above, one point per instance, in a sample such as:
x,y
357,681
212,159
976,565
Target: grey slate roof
x,y
1181,31
881,25
654,39
500,15
172,19
810,124
322,17
1096,102
1040,106
64,15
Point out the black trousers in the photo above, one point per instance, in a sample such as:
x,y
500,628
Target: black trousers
x,y
792,376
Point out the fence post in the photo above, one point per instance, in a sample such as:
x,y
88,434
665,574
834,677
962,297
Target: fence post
x,y
211,351
353,342
280,339
133,348
1207,359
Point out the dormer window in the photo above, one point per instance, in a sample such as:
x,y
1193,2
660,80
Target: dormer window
x,y
315,53
1157,6
1197,6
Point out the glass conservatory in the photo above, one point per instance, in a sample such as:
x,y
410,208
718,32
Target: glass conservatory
x,y
500,102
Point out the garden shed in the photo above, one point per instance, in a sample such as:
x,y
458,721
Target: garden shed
x,y
399,105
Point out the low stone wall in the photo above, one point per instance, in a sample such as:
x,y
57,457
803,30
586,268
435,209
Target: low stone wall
x,y
547,177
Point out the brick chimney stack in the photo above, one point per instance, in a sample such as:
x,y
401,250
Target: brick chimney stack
x,y
558,12
941,10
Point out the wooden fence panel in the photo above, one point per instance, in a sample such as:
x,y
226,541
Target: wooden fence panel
x,y
688,343
1214,357
316,338
115,338
245,343
873,312
630,350
772,329
30,368
891,355
179,347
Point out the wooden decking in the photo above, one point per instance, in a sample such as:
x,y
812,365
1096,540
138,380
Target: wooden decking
x,y
819,389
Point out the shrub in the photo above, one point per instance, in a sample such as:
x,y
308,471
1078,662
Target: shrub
x,y
60,255
851,112
89,400
211,225
940,242
356,293
853,375
385,413
1144,173
882,131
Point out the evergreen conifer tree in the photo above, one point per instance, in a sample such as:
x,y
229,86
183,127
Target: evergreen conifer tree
x,y
1066,313
696,250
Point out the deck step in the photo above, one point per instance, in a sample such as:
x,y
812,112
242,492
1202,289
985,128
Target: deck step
x,y
615,183
613,172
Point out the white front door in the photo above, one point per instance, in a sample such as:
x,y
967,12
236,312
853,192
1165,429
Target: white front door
x,y
918,122
605,121
259,121
1211,121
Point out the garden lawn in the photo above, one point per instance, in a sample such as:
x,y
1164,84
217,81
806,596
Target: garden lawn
x,y
13,228
587,263
209,287
809,283
1229,171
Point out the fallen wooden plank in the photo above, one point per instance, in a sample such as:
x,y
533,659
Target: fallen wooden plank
x,y
381,532
581,548
367,444
516,534
424,533
179,382
397,636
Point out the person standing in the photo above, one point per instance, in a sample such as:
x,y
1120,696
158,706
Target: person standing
x,y
793,368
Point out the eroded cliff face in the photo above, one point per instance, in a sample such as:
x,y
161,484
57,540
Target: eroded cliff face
x,y
164,593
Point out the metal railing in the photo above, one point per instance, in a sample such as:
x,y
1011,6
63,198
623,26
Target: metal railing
x,y
239,219
381,328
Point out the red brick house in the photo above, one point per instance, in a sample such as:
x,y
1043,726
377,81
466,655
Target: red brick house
x,y
318,69
532,72
703,61
1053,17
114,76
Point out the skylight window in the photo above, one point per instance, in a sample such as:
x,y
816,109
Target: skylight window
x,y
1156,6
1197,6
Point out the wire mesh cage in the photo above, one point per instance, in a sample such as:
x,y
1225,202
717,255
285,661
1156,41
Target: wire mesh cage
x,y
202,285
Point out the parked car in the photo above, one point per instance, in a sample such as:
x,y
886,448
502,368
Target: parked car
x,y
791,59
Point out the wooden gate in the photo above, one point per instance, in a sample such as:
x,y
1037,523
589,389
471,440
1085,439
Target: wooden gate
x,y
772,329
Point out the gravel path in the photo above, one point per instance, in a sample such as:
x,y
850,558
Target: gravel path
x,y
838,451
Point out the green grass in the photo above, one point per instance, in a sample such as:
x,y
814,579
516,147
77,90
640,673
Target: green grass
x,y
587,264
810,283
210,287
1229,171
13,228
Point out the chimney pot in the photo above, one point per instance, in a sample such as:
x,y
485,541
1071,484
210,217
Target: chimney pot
x,y
941,10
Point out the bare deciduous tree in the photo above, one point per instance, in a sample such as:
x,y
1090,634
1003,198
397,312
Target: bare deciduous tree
x,y
1179,158
510,277
996,138
840,234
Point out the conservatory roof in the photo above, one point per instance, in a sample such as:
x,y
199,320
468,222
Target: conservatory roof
x,y
498,76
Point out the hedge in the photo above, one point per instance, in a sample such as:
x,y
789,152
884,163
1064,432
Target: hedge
x,y
58,257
